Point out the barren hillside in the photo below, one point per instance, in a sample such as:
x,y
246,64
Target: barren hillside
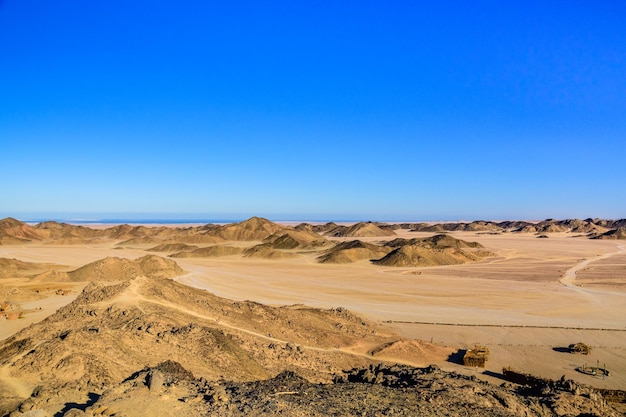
x,y
112,330
362,229
432,251
353,251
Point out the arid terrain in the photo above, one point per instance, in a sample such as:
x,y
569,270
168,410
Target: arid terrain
x,y
261,318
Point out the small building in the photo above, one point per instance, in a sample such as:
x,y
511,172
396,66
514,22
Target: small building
x,y
476,357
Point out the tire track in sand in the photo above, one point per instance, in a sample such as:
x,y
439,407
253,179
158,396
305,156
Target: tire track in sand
x,y
570,275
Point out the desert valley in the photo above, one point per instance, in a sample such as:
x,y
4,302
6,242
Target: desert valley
x,y
263,318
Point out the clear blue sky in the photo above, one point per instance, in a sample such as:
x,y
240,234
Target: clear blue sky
x,y
367,110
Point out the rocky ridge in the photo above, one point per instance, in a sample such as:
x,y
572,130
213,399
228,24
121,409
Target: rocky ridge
x,y
168,389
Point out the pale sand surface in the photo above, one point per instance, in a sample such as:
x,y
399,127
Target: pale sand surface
x,y
37,310
520,286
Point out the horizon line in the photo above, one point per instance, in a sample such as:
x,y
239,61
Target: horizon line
x,y
236,219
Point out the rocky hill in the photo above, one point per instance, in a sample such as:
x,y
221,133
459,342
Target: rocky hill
x,y
432,251
208,252
255,228
15,232
475,226
440,241
296,239
362,229
353,251
169,389
121,269
586,227
266,251
172,247
619,233
57,230
118,327
320,228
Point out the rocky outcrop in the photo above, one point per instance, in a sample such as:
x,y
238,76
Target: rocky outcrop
x,y
168,389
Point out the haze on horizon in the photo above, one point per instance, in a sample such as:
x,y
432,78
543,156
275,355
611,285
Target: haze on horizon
x,y
307,111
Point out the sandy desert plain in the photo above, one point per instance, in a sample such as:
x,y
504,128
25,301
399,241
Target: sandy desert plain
x,y
527,300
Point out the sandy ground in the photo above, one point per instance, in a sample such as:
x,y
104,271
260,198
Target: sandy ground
x,y
35,311
523,303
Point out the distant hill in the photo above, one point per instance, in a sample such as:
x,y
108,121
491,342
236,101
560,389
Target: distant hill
x,y
55,230
296,239
430,228
208,252
432,251
305,236
353,251
439,241
305,227
545,226
15,268
140,241
265,251
407,256
324,228
120,269
196,236
619,233
172,247
14,232
475,226
361,229
589,227
255,228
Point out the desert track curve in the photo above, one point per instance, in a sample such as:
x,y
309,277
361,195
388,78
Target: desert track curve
x,y
570,275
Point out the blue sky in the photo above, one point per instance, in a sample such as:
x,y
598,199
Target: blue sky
x,y
313,110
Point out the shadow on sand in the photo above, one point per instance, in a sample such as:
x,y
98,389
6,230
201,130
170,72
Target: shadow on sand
x,y
92,398
457,357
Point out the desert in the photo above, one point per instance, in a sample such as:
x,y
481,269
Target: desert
x,y
312,209
251,317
